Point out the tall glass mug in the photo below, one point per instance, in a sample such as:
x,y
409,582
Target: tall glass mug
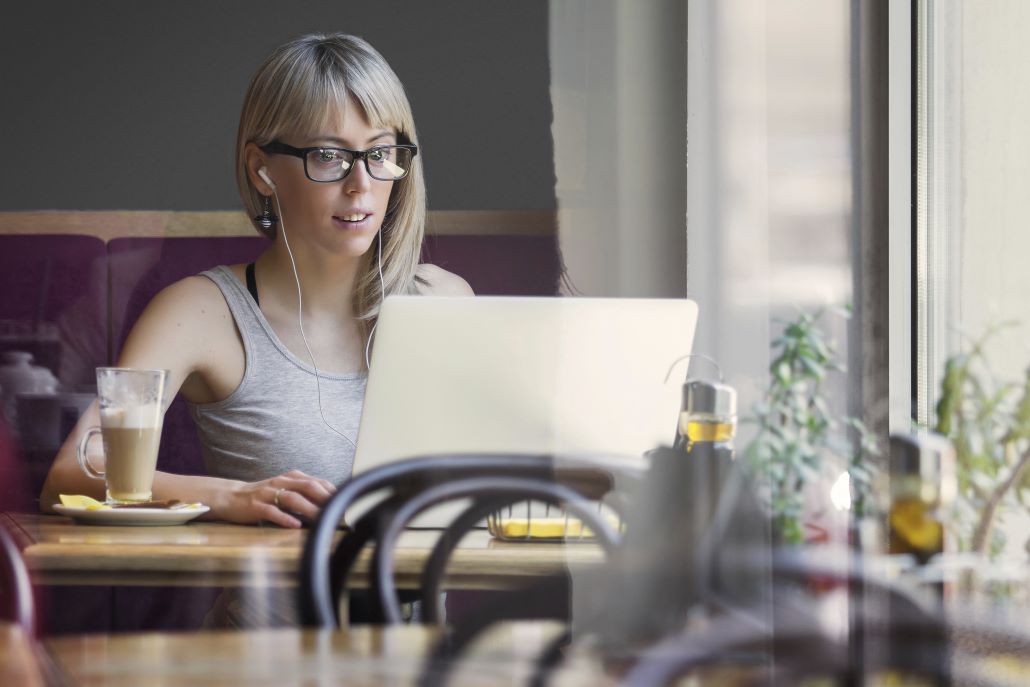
x,y
131,405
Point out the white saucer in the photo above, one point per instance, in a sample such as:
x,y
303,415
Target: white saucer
x,y
152,517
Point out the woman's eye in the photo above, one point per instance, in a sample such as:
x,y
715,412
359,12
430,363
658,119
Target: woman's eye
x,y
327,156
377,155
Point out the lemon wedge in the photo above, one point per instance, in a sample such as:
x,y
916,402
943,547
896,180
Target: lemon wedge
x,y
82,502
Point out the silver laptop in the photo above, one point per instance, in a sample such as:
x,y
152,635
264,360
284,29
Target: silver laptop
x,y
517,374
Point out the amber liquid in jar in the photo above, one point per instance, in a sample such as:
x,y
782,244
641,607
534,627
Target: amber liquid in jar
x,y
915,528
694,429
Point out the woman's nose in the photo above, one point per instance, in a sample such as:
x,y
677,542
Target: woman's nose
x,y
358,181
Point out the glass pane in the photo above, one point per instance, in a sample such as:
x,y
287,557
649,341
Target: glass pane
x,y
971,249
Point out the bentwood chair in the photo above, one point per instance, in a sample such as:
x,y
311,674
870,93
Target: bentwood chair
x,y
16,604
690,519
900,636
409,487
780,636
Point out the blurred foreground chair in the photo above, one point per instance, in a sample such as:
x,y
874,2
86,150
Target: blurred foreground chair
x,y
16,603
669,605
897,639
409,487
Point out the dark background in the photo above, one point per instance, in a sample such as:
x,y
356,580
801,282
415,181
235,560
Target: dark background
x,y
134,105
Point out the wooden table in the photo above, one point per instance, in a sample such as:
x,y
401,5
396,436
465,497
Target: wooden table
x,y
366,655
358,656
59,551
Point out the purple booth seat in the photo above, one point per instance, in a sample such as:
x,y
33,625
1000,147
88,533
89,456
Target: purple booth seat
x,y
505,265
54,302
140,268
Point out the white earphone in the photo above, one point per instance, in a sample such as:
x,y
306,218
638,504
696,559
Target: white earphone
x,y
263,173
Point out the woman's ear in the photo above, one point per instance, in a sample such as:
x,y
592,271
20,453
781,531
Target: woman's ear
x,y
256,160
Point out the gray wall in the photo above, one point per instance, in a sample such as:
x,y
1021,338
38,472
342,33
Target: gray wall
x,y
134,105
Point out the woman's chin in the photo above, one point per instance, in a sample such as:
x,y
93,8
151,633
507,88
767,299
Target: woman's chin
x,y
355,244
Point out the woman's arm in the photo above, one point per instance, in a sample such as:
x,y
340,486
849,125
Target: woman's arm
x,y
188,330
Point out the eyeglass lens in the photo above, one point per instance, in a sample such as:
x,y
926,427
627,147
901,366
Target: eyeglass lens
x,y
387,163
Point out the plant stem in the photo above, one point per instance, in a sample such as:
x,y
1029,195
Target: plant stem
x,y
983,528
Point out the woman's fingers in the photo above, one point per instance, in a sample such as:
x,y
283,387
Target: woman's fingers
x,y
312,489
295,502
279,499
269,513
326,484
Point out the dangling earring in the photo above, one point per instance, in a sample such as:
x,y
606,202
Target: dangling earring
x,y
267,219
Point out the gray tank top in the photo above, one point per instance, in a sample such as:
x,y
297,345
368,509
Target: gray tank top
x,y
270,424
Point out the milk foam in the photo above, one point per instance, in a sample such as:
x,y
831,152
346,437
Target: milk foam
x,y
132,417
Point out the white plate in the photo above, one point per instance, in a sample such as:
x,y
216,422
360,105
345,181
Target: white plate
x,y
132,516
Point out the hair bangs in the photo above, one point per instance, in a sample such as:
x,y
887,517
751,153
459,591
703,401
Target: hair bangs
x,y
381,109
308,107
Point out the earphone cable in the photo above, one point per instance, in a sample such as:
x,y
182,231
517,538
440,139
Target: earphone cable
x,y
300,323
382,298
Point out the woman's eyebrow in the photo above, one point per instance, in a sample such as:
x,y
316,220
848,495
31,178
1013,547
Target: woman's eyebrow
x,y
385,133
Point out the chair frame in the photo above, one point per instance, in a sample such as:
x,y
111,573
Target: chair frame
x,y
20,607
505,489
324,571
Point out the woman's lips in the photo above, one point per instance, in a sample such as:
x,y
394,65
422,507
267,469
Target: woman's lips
x,y
353,220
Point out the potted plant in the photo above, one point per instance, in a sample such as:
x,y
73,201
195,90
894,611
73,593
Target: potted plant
x,y
797,431
988,423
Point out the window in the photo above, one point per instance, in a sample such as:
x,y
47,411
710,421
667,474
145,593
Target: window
x,y
970,239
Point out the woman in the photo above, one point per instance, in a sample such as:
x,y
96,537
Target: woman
x,y
273,364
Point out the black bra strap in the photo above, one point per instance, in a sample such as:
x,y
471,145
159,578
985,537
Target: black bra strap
x,y
252,283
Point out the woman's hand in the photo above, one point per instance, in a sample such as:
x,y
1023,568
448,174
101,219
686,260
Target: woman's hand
x,y
274,500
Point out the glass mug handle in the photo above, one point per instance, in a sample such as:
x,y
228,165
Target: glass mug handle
x,y
84,463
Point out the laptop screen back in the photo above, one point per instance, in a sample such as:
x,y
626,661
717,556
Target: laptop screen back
x,y
513,374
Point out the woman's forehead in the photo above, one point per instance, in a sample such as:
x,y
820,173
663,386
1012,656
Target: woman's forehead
x,y
344,120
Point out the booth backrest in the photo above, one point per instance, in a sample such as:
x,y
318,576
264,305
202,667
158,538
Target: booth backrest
x,y
141,267
92,294
493,265
57,270
54,301
499,265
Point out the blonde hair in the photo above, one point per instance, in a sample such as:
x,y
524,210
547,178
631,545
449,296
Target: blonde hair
x,y
295,93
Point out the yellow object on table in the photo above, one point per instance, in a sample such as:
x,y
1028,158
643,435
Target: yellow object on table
x,y
541,528
82,502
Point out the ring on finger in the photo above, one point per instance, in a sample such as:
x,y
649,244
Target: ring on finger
x,y
278,493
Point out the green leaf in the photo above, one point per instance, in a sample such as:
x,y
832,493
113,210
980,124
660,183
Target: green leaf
x,y
955,370
782,373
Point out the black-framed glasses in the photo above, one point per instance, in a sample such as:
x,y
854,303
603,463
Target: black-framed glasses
x,y
324,164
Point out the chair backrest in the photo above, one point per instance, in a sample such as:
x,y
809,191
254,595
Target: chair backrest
x,y
16,604
411,485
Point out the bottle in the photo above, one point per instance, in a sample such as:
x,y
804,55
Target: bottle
x,y
708,417
922,487
722,521
693,520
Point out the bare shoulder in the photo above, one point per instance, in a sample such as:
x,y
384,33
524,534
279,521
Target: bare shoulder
x,y
193,297
439,282
180,316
